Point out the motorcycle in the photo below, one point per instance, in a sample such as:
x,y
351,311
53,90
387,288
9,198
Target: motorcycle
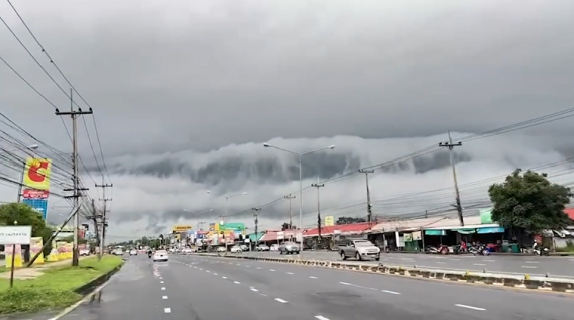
x,y
481,249
540,251
149,255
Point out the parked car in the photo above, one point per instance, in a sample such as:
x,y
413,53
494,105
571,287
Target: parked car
x,y
133,252
274,247
244,247
160,255
289,248
236,249
84,252
221,249
262,247
360,249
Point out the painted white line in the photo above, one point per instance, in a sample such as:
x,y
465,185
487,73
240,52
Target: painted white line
x,y
224,277
195,267
238,264
391,292
161,282
214,274
454,259
236,282
280,300
321,317
312,277
200,269
479,264
207,271
532,261
253,289
162,288
271,270
289,272
529,267
440,262
488,260
164,297
167,310
259,268
469,307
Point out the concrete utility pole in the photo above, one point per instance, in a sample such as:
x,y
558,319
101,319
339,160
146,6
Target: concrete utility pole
x,y
255,214
317,185
105,199
369,206
450,147
77,190
290,197
95,217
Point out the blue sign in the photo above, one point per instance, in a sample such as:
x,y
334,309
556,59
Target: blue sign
x,y
40,205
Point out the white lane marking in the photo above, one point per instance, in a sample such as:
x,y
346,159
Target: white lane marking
x,y
238,264
236,282
259,268
440,262
320,317
224,277
391,292
200,269
454,259
488,260
207,271
312,277
407,259
214,274
280,300
469,307
289,272
529,267
246,266
161,282
164,297
167,310
271,270
253,289
479,264
532,261
162,288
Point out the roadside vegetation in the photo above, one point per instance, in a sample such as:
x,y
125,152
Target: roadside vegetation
x,y
54,289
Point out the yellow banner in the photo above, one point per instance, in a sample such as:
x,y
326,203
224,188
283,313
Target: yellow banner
x,y
181,228
329,221
37,173
17,256
36,244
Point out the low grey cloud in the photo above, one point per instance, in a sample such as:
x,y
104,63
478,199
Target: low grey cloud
x,y
184,94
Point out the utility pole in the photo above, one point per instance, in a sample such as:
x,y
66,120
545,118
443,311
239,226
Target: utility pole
x,y
369,206
290,197
95,217
450,145
255,214
74,114
317,185
105,199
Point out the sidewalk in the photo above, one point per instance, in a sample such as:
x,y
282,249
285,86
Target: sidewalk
x,y
36,271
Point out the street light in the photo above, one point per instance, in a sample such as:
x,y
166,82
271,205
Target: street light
x,y
300,155
227,207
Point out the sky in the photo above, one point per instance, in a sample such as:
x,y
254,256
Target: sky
x,y
185,93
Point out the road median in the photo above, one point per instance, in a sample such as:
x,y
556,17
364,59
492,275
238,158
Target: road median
x,y
519,281
58,287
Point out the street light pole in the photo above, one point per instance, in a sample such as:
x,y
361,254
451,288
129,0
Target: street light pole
x,y
300,155
226,211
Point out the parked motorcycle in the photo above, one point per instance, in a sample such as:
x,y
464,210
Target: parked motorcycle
x,y
541,251
481,249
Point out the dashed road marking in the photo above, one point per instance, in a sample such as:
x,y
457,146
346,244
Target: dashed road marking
x,y
289,272
253,289
280,300
488,260
469,307
320,317
224,277
391,292
271,270
164,297
167,310
161,282
529,267
479,264
236,282
207,271
532,261
214,274
312,277
259,268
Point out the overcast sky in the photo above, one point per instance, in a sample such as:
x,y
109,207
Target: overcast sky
x,y
185,93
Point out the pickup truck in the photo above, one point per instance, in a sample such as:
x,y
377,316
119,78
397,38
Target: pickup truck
x,y
359,249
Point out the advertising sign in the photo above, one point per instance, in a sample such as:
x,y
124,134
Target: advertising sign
x,y
35,194
40,205
15,235
329,221
36,244
181,228
37,173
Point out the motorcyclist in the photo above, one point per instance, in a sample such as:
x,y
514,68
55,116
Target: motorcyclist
x,y
149,253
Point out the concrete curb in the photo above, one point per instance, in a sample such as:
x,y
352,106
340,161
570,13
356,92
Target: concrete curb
x,y
502,280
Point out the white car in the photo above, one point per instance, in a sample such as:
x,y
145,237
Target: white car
x,y
262,247
236,249
160,255
133,252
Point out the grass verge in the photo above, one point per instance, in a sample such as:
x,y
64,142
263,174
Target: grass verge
x,y
55,288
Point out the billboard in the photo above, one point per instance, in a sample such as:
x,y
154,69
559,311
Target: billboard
x,y
329,221
178,228
37,173
39,205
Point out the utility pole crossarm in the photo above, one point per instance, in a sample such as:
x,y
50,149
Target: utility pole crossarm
x,y
450,145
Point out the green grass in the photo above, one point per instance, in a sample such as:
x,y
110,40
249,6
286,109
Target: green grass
x,y
55,288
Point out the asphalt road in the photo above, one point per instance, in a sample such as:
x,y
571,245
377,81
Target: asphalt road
x,y
533,265
213,288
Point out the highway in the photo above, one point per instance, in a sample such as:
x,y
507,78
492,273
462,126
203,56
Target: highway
x,y
533,265
214,288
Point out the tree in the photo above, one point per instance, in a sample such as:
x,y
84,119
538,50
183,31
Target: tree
x,y
24,215
528,202
349,220
285,226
